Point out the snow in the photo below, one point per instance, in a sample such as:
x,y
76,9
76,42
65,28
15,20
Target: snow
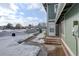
x,y
39,38
17,38
22,37
0,30
41,35
7,42
4,33
20,50
16,30
10,47
50,47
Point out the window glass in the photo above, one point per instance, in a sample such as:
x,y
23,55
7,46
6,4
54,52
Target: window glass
x,y
51,29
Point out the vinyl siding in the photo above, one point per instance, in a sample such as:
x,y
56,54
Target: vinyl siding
x,y
72,15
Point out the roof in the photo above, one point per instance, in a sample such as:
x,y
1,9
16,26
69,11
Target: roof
x,y
45,5
66,8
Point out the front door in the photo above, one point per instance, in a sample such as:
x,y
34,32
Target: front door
x,y
51,29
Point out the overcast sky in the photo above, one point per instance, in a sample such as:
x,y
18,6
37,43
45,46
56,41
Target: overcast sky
x,y
22,13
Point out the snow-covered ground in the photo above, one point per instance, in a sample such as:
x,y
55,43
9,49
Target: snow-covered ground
x,y
17,38
41,35
9,32
19,50
17,30
40,38
9,45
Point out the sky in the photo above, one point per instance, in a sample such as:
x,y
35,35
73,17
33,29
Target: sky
x,y
23,13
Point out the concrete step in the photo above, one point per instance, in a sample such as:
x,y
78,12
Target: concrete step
x,y
53,37
52,40
54,43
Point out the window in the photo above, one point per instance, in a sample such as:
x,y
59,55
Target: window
x,y
51,29
75,23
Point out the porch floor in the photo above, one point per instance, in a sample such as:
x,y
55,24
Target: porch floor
x,y
54,46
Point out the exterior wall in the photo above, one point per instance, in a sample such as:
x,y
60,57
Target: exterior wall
x,y
60,29
51,12
70,16
51,29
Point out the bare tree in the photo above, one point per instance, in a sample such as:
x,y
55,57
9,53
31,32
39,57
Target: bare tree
x,y
9,26
18,26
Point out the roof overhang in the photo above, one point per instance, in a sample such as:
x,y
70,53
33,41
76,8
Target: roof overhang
x,y
45,6
66,8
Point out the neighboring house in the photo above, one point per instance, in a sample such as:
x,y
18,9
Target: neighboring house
x,y
51,9
66,17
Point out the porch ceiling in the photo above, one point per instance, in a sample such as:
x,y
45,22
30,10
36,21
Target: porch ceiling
x,y
68,5
45,6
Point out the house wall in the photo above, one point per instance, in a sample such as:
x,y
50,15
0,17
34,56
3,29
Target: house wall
x,y
51,12
70,16
51,20
51,29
